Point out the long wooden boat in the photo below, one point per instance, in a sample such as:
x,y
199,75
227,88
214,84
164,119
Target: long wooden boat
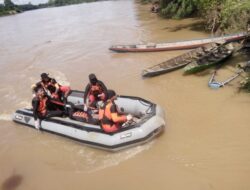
x,y
181,45
179,61
217,55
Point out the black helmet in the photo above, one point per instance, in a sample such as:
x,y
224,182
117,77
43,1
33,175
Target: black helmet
x,y
111,94
92,78
44,75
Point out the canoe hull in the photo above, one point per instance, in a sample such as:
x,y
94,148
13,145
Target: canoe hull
x,y
205,66
160,72
171,46
215,56
178,62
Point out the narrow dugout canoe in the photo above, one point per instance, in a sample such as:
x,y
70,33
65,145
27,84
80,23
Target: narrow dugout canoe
x,y
180,45
215,56
179,61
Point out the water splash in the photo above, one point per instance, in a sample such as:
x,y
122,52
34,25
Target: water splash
x,y
24,104
5,117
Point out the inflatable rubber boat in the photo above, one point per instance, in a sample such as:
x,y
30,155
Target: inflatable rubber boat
x,y
150,122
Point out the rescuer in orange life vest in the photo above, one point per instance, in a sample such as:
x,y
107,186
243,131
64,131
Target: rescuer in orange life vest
x,y
95,91
52,88
111,120
44,107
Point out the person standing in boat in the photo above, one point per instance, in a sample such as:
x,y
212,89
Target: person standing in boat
x,y
44,107
52,88
111,120
95,91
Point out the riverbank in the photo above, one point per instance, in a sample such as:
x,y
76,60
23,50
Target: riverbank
x,y
206,142
12,8
199,25
230,16
5,13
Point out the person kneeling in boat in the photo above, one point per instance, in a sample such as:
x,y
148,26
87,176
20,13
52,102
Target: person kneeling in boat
x,y
52,88
45,107
95,91
111,120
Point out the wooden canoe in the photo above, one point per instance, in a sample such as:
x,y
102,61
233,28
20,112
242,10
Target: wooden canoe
x,y
179,61
215,56
181,45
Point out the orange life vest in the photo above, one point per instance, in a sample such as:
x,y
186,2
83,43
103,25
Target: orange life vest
x,y
95,90
107,117
42,108
105,114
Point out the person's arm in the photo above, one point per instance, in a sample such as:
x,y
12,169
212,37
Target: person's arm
x,y
56,85
105,90
86,92
102,85
53,104
57,88
115,116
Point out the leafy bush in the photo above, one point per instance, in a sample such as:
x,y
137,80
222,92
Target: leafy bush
x,y
222,16
245,84
178,8
225,16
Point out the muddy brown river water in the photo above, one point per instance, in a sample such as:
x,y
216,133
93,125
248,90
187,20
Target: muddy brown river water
x,y
206,143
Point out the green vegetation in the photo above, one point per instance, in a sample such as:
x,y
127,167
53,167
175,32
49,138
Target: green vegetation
x,y
10,8
9,5
245,84
178,8
225,16
221,16
66,2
